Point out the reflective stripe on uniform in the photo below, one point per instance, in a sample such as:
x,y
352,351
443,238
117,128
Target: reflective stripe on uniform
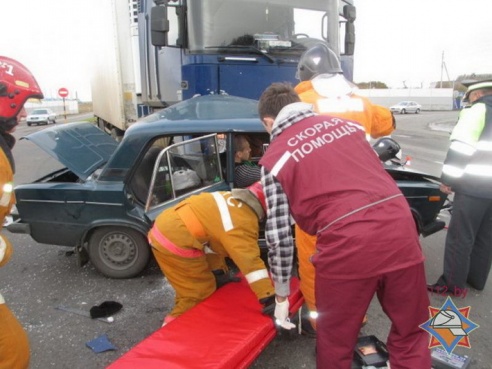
x,y
3,248
452,170
462,148
479,170
484,146
279,164
7,194
224,211
341,104
172,248
256,275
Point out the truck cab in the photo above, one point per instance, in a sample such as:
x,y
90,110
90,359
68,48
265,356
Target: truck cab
x,y
190,47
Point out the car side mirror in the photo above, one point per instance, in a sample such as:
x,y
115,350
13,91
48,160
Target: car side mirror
x,y
159,25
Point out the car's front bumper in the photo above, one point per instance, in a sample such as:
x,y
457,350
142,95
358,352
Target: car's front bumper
x,y
37,121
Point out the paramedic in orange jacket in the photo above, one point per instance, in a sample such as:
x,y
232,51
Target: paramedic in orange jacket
x,y
191,241
16,86
324,86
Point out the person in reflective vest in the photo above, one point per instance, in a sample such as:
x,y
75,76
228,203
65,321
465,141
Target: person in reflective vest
x,y
191,240
467,171
17,84
323,85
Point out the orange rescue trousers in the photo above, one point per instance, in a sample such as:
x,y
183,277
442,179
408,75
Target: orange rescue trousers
x,y
306,247
14,344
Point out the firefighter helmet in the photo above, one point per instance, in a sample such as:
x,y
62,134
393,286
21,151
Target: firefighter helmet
x,y
17,84
317,60
252,196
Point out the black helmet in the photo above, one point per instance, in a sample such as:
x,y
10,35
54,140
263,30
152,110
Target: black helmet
x,y
317,60
386,148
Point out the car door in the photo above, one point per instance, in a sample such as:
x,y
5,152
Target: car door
x,y
183,169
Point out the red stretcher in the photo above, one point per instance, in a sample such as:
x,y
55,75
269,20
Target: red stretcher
x,y
227,330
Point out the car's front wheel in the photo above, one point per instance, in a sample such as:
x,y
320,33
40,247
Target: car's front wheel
x,y
118,252
417,111
403,111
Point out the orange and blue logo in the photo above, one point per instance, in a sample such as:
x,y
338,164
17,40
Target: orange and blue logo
x,y
449,326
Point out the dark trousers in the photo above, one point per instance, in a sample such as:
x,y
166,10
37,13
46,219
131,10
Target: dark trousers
x,y
468,250
342,304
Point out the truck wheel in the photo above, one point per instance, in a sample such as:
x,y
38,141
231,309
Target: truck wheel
x,y
116,134
100,124
119,252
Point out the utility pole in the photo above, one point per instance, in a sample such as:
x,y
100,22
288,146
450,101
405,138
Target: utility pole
x,y
443,67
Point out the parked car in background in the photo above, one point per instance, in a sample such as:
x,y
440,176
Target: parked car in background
x,y
104,198
41,116
405,107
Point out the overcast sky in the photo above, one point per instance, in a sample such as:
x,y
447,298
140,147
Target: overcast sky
x,y
396,40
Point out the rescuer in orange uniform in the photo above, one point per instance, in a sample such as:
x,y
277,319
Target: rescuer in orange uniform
x,y
16,86
324,86
191,241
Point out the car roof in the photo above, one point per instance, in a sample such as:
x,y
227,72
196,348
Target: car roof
x,y
200,114
196,116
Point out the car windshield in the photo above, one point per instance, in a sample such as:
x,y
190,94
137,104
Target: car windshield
x,y
40,111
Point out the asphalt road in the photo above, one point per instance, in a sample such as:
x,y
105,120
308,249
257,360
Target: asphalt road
x,y
41,277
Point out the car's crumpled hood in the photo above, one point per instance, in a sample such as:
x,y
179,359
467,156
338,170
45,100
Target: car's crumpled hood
x,y
81,147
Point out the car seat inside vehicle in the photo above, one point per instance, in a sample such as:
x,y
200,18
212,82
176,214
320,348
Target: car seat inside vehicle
x,y
140,182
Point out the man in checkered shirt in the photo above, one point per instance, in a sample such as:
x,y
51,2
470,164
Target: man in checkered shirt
x,y
322,171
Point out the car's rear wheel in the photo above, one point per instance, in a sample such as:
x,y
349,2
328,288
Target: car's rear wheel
x,y
118,252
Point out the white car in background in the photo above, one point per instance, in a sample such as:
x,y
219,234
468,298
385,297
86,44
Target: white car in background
x,y
41,116
405,107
